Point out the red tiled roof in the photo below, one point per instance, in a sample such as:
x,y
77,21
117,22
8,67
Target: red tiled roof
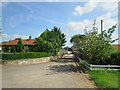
x,y
117,46
25,42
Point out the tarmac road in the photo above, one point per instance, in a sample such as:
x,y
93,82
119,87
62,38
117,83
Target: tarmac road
x,y
56,74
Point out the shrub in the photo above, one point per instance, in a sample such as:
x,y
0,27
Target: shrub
x,y
24,55
115,58
94,46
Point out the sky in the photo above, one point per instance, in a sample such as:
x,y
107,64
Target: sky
x,y
24,19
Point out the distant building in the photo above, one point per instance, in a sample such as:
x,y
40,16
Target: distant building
x,y
117,46
28,44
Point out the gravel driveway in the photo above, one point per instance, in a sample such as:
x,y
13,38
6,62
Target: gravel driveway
x,y
62,73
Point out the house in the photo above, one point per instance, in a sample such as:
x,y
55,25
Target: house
x,y
117,46
29,44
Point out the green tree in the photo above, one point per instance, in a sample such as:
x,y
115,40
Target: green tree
x,y
20,46
94,47
43,45
51,41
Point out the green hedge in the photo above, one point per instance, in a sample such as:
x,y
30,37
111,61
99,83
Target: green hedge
x,y
24,55
115,58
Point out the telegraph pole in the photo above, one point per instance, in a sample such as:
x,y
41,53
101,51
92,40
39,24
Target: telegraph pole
x,y
101,25
102,22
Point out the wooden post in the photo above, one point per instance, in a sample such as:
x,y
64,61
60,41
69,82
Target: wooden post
x,y
109,66
90,66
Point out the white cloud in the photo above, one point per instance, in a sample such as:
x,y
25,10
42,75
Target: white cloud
x,y
109,18
111,9
88,7
6,37
110,6
79,26
78,11
91,5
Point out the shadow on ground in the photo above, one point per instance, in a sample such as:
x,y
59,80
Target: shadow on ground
x,y
63,68
69,67
63,60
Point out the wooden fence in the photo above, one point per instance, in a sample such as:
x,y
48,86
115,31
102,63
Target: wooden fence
x,y
99,67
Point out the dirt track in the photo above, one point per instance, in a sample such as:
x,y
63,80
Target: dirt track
x,y
56,74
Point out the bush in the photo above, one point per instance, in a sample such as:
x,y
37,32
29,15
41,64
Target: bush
x,y
94,46
24,55
115,58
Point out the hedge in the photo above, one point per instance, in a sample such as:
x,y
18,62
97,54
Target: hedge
x,y
24,55
115,58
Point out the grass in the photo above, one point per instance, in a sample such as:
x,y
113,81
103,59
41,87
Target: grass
x,y
105,79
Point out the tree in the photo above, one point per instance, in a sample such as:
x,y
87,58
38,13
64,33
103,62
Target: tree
x,y
20,46
51,41
76,38
94,47
43,45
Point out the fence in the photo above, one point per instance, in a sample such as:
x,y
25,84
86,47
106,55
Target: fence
x,y
99,67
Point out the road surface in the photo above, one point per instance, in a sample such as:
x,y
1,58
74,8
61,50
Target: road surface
x,y
62,73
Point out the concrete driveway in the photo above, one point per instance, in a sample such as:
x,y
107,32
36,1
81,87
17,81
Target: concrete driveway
x,y
62,73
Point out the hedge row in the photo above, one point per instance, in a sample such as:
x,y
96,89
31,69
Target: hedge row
x,y
24,55
115,58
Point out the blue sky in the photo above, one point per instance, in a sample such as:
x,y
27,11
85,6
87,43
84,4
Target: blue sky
x,y
22,19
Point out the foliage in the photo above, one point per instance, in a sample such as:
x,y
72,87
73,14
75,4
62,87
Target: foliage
x,y
13,49
32,48
105,79
44,45
24,55
6,49
20,46
114,58
94,46
51,41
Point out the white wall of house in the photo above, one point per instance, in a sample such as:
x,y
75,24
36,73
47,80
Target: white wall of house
x,y
0,48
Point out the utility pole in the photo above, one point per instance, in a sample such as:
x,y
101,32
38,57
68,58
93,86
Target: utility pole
x,y
101,25
102,22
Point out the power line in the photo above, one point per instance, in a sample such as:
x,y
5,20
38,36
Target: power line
x,y
109,18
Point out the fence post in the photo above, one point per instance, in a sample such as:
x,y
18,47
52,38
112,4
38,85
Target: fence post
x,y
90,66
108,66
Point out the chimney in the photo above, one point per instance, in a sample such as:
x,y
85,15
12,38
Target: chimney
x,y
30,37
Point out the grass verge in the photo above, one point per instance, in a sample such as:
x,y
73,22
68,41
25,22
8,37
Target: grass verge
x,y
105,78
